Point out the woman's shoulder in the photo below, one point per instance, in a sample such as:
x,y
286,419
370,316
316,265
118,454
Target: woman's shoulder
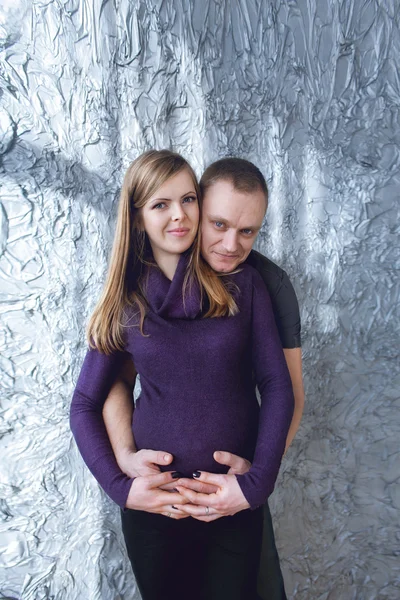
x,y
246,278
246,274
130,316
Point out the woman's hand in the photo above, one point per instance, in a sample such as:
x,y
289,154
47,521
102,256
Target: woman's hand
x,y
236,464
145,494
226,501
144,462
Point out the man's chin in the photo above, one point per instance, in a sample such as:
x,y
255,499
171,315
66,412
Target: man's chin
x,y
224,266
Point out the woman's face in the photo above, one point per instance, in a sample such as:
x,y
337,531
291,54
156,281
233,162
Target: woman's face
x,y
171,216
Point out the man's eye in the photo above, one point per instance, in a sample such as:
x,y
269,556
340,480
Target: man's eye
x,y
218,224
247,231
190,199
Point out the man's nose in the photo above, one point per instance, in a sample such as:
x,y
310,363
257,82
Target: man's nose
x,y
230,241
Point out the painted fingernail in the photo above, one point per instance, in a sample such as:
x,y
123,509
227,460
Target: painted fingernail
x,y
196,474
176,475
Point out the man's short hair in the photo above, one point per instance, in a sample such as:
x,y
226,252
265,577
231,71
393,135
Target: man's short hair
x,y
242,174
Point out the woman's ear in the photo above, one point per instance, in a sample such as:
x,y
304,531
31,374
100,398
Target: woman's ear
x,y
138,224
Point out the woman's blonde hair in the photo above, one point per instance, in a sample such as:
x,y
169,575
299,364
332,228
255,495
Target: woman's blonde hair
x,y
130,253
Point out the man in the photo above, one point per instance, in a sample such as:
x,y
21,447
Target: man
x,y
234,203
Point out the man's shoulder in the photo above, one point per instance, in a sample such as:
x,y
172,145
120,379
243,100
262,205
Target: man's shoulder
x,y
265,265
283,298
273,275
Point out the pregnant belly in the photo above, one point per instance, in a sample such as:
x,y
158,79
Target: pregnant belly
x,y
193,435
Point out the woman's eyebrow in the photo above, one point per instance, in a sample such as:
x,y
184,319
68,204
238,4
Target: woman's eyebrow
x,y
183,196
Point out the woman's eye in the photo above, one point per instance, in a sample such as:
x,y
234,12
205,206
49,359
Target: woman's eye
x,y
190,199
159,205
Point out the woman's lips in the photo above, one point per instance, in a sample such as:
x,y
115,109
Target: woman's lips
x,y
179,232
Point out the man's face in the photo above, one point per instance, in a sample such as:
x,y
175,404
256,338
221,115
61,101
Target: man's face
x,y
230,221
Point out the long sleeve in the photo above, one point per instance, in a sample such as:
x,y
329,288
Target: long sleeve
x,y
86,420
274,385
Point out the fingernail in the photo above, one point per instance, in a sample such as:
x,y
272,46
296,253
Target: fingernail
x,y
196,474
176,475
166,457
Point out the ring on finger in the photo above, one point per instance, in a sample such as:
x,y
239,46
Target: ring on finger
x,y
168,514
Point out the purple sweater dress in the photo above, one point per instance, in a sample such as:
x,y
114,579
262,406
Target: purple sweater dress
x,y
197,377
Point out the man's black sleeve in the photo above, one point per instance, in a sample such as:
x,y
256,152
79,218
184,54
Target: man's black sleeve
x,y
283,298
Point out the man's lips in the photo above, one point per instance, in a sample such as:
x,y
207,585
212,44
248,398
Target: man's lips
x,y
227,256
179,231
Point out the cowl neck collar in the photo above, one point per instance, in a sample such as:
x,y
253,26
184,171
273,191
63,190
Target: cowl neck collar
x,y
167,298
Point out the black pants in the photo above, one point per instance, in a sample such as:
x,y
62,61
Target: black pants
x,y
177,560
270,580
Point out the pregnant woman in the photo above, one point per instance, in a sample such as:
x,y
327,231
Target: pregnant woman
x,y
195,339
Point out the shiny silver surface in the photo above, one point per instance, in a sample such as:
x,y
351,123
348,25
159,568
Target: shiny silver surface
x,y
308,90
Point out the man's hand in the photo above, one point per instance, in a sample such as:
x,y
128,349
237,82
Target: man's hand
x,y
146,494
238,466
226,501
144,462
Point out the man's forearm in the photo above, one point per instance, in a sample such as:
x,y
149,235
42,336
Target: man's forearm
x,y
117,414
296,420
294,363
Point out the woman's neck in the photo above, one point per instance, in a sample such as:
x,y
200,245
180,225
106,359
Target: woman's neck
x,y
166,262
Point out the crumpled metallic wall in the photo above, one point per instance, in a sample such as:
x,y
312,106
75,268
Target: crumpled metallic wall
x,y
310,91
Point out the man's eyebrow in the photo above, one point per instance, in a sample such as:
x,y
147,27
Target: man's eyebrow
x,y
191,193
217,218
226,222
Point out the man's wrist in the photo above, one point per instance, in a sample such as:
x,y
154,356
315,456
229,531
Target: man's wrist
x,y
124,457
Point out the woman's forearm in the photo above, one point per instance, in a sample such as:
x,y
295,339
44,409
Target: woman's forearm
x,y
88,427
277,401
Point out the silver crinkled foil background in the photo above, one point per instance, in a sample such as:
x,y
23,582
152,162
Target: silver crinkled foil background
x,y
310,91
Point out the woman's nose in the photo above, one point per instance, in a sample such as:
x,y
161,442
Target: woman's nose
x,y
177,212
